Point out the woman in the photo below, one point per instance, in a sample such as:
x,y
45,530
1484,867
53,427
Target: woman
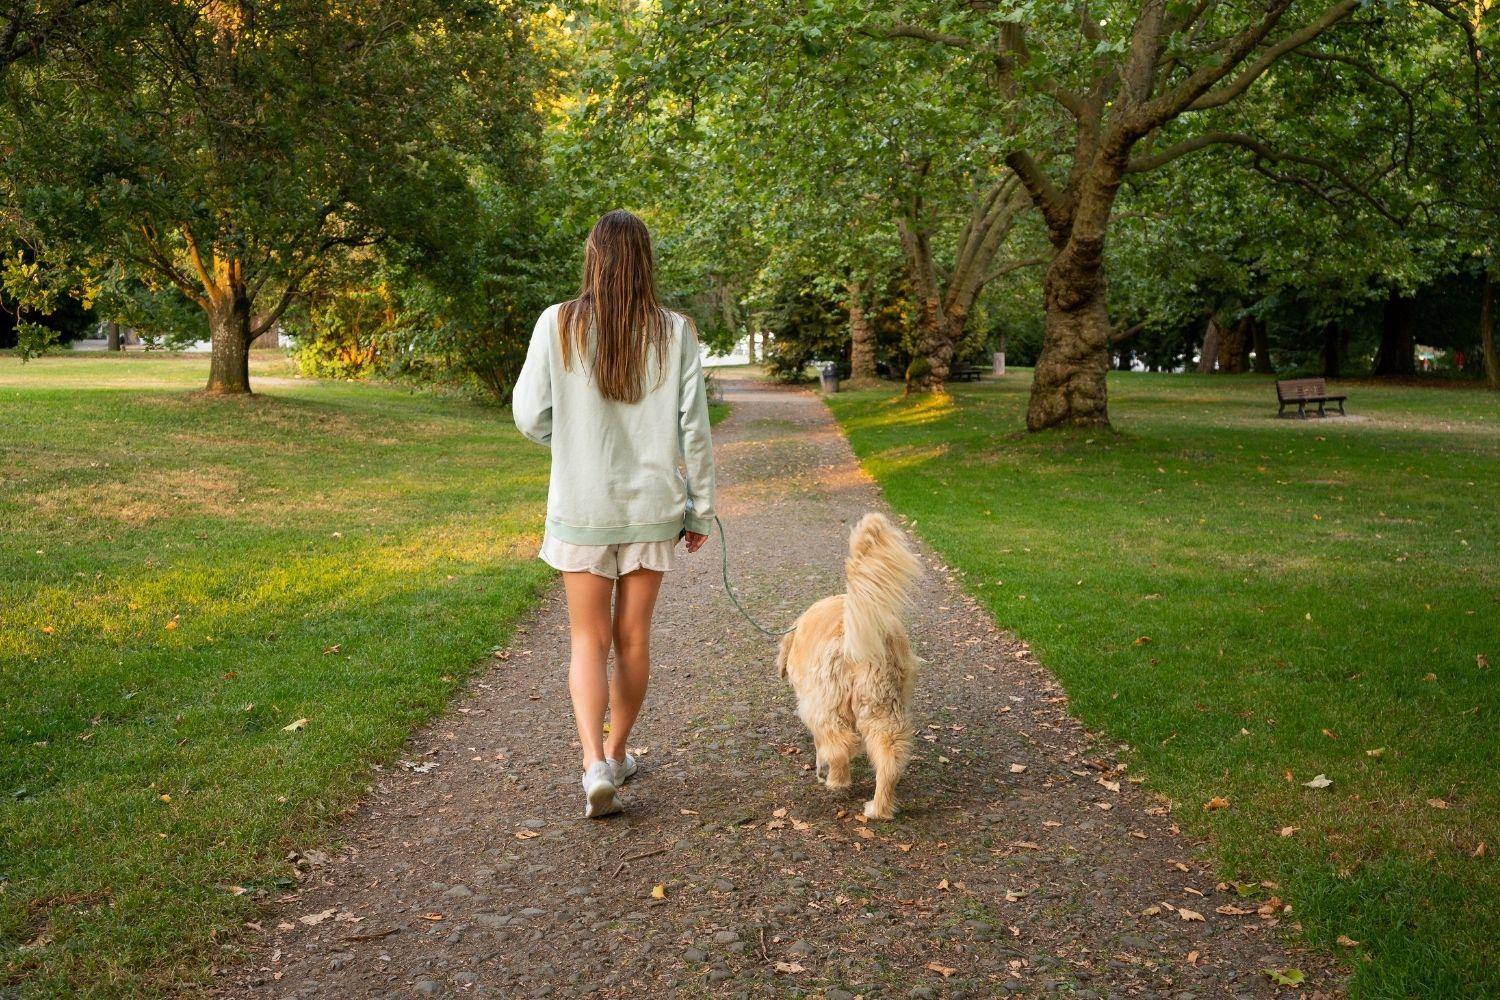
x,y
613,382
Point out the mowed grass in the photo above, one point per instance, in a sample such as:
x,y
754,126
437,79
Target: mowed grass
x,y
1249,603
183,577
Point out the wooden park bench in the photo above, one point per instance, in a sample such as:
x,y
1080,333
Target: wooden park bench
x,y
965,373
1301,392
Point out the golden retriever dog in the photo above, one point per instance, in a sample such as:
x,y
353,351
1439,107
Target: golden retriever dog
x,y
849,661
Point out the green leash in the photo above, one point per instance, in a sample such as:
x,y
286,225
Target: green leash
x,y
724,554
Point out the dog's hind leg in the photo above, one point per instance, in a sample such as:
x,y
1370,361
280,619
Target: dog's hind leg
x,y
888,744
835,748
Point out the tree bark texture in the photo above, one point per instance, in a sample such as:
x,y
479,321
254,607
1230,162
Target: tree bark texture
x,y
112,336
229,331
1487,330
1397,355
1208,356
1069,388
861,332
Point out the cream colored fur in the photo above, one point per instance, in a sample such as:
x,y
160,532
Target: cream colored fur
x,y
850,663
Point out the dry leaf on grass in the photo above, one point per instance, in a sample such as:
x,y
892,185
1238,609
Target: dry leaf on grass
x,y
1376,752
1192,958
658,892
941,970
790,967
434,916
1230,910
292,727
526,834
313,919
1437,803
943,885
1347,941
866,833
906,848
1017,768
1287,831
1321,781
1217,802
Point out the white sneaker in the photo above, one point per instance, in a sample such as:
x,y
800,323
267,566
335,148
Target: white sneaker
x,y
624,770
599,790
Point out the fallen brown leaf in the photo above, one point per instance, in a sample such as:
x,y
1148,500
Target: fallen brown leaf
x,y
1217,802
941,970
1187,914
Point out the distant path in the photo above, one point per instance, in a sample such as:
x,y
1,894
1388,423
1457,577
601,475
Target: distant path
x,y
1024,874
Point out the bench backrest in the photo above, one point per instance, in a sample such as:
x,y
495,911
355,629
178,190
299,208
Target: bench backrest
x,y
1300,388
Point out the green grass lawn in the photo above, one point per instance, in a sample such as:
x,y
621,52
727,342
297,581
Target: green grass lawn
x,y
181,578
1249,603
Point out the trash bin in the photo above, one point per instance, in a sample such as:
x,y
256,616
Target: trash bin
x,y
828,376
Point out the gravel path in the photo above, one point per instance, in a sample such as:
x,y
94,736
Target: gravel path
x,y
1024,862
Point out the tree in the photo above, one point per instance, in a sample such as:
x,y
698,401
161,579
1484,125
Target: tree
x,y
1088,92
242,155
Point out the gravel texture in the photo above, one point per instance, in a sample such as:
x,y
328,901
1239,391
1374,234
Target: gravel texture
x,y
1024,862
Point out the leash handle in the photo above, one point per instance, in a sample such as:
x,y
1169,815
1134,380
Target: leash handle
x,y
724,557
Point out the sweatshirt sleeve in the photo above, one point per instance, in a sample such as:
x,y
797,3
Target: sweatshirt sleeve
x,y
531,400
694,438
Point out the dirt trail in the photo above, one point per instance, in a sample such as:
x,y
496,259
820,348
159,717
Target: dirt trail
x,y
1023,863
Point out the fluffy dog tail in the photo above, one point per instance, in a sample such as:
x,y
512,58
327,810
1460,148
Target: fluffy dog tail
x,y
881,570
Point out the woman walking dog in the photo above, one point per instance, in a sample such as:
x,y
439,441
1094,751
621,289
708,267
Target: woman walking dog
x,y
613,383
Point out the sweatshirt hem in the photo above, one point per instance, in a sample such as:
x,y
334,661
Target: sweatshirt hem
x,y
616,534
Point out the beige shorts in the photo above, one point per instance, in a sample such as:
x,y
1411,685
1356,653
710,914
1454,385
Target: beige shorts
x,y
608,561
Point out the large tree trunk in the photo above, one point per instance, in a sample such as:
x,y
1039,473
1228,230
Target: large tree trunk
x,y
112,336
1261,343
1069,386
1234,348
1333,350
1209,354
1398,339
229,329
1487,330
750,345
861,334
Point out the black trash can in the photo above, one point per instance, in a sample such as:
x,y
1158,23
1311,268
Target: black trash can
x,y
828,376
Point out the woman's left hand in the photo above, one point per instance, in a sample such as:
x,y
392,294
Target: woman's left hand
x,y
694,540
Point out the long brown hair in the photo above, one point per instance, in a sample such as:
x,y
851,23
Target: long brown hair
x,y
618,303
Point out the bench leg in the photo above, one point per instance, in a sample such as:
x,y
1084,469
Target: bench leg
x,y
1341,409
1320,409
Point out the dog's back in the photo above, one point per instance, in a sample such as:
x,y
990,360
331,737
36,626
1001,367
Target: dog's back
x,y
851,664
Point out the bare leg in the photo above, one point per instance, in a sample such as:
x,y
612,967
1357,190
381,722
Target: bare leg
x,y
588,678
634,603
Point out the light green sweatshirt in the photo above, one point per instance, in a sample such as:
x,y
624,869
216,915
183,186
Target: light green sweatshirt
x,y
615,466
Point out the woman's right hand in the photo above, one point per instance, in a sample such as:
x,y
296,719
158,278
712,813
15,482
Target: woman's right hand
x,y
694,540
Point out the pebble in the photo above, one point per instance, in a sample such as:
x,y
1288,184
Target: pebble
x,y
725,937
428,987
924,993
339,959
694,955
458,892
723,885
837,994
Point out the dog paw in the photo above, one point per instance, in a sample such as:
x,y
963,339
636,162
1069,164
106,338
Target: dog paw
x,y
836,786
871,812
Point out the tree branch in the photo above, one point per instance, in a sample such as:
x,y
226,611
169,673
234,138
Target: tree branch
x,y
1297,39
1264,152
902,30
1015,265
160,262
